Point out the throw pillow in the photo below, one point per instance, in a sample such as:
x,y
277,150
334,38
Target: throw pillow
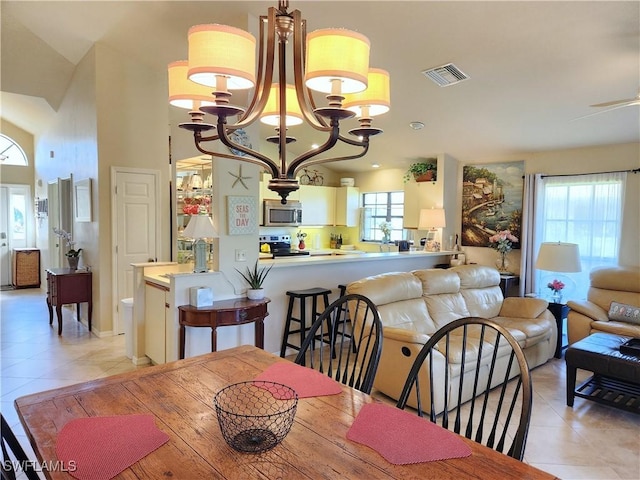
x,y
624,313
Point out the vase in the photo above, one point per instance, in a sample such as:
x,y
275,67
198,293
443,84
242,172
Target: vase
x,y
255,293
301,245
502,262
73,262
556,296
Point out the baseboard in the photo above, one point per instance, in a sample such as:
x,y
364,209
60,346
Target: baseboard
x,y
144,360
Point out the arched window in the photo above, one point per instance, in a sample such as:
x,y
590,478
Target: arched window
x,y
11,153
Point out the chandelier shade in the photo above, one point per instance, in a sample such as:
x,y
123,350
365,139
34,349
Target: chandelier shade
x,y
271,113
220,51
332,61
183,92
375,100
337,59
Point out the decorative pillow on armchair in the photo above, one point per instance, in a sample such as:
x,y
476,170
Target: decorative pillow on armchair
x,y
624,313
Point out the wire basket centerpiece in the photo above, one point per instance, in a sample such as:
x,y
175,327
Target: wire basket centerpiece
x,y
255,416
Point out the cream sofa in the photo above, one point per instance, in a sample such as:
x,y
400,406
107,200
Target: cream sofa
x,y
607,284
413,305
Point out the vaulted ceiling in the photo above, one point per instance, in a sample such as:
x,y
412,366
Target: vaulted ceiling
x,y
534,67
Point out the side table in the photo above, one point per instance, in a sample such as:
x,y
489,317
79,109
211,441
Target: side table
x,y
234,311
509,284
68,286
560,312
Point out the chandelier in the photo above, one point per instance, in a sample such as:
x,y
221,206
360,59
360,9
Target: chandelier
x,y
330,61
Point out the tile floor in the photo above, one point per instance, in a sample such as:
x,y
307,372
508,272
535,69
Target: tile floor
x,y
587,442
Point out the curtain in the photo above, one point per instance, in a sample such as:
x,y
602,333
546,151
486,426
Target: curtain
x,y
582,209
532,185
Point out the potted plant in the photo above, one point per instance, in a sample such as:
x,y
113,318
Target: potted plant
x,y
73,254
255,277
422,171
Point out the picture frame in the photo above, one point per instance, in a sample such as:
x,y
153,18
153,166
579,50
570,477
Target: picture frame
x,y
242,216
82,205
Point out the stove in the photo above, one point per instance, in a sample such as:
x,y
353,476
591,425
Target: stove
x,y
280,246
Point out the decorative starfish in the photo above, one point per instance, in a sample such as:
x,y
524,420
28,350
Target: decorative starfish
x,y
239,178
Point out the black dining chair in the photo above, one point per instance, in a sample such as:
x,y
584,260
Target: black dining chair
x,y
347,353
491,402
9,466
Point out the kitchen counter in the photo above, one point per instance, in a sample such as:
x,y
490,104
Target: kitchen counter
x,y
346,256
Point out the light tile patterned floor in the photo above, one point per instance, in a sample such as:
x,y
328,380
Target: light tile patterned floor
x,y
587,442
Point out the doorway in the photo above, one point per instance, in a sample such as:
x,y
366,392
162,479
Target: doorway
x,y
135,227
16,226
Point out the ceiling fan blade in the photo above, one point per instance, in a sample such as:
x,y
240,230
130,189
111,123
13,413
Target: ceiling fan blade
x,y
627,104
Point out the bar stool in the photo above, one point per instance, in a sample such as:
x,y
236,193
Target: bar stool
x,y
344,311
302,296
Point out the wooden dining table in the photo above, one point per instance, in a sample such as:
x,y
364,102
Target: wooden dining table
x,y
179,395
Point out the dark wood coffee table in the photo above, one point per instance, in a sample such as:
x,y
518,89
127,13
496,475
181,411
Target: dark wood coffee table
x,y
616,375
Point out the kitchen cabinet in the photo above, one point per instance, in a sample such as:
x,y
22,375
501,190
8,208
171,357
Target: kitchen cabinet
x,y
193,194
318,205
156,318
347,203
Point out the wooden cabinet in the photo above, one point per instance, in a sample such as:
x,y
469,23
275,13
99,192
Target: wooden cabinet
x,y
66,286
347,203
318,205
26,267
155,322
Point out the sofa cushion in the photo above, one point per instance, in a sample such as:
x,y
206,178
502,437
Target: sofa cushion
x,y
532,330
477,277
624,313
437,281
618,328
446,307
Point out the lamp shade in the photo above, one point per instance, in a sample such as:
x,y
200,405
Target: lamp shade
x,y
559,257
183,92
200,226
375,100
431,218
271,113
337,54
222,51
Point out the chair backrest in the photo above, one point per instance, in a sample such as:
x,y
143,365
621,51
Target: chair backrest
x,y
496,373
345,352
17,462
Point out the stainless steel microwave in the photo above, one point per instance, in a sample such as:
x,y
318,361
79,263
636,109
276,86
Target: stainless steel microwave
x,y
276,214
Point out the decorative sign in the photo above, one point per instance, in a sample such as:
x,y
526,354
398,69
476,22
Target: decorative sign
x,y
241,215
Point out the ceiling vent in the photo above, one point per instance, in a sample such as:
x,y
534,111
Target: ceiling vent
x,y
446,75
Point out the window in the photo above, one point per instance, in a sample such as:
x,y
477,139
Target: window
x,y
380,207
587,210
11,153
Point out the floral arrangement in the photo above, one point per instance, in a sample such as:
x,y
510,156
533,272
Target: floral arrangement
x,y
503,241
385,227
70,243
555,286
301,236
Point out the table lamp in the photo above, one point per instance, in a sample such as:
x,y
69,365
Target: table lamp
x,y
199,228
431,219
559,257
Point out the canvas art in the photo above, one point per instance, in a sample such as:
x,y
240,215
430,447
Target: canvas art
x,y
491,201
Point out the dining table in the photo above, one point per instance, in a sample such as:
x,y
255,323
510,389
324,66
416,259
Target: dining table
x,y
179,397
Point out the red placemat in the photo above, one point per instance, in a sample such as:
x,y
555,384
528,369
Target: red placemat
x,y
99,448
403,437
305,381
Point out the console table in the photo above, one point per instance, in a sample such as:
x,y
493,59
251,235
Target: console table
x,y
65,286
234,311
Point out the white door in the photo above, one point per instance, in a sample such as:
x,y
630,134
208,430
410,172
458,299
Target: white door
x,y
135,228
5,253
15,225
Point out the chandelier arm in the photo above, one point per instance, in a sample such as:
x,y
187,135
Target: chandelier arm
x,y
265,72
358,143
307,105
296,165
319,161
260,159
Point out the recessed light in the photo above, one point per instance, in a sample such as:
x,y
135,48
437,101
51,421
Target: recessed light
x,y
416,125
375,165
